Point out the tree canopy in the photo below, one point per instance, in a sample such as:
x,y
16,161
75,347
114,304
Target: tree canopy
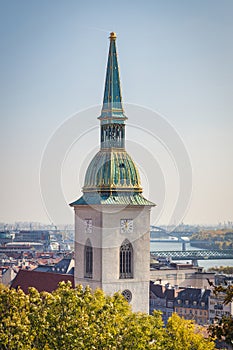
x,y
222,329
81,319
228,270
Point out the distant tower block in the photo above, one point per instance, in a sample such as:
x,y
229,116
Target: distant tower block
x,y
112,218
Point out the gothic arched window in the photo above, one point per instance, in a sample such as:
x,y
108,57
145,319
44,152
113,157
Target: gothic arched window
x,y
88,260
126,260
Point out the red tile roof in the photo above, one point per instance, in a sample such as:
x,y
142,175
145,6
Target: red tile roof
x,y
42,281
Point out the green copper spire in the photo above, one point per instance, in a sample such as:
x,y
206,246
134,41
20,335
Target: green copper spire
x,y
112,118
112,103
112,177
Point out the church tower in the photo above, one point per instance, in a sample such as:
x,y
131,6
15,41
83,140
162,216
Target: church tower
x,y
112,218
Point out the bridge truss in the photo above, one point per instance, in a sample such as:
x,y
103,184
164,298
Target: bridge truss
x,y
212,254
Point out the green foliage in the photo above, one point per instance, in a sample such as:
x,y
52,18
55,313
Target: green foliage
x,y
183,334
14,317
228,270
227,292
222,329
219,239
81,319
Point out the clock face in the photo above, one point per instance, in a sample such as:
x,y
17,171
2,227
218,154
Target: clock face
x,y
126,225
88,225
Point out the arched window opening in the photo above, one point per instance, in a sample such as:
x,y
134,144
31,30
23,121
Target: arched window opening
x,y
88,259
127,295
126,260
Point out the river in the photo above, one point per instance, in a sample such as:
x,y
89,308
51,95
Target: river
x,y
166,246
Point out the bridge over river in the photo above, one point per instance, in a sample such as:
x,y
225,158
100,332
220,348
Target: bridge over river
x,y
194,255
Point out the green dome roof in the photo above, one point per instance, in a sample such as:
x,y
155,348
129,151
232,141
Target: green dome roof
x,y
112,170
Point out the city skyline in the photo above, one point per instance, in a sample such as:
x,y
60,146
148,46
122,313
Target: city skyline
x,y
177,62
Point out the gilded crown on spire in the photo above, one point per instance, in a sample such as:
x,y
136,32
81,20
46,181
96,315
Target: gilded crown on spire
x,y
112,36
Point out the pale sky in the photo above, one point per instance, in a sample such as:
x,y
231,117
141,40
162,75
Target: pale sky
x,y
175,59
